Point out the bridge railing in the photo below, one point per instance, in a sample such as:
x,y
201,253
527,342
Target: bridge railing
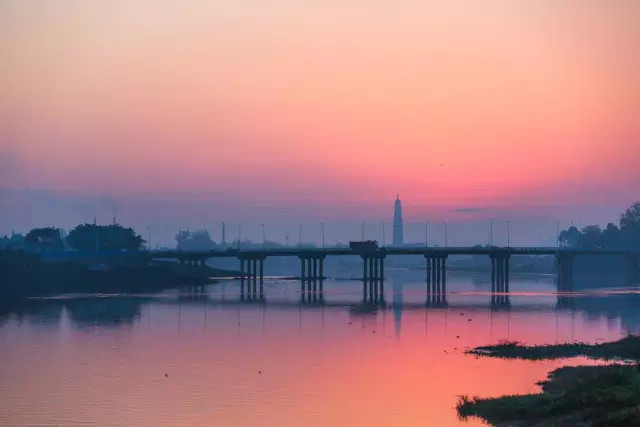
x,y
449,250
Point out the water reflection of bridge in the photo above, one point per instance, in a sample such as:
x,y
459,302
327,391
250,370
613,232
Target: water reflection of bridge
x,y
497,301
117,310
312,292
592,305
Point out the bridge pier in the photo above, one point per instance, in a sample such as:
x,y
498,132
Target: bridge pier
x,y
436,279
499,278
254,270
251,272
565,302
373,278
312,277
250,278
195,262
261,277
564,271
241,278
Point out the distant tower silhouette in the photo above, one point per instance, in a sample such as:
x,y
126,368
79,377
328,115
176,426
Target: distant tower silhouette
x,y
398,238
224,238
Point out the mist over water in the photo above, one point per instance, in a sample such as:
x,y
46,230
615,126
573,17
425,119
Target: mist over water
x,y
209,358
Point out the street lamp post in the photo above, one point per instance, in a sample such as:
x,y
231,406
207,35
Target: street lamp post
x,y
558,234
384,242
239,235
322,225
300,235
363,223
491,232
508,234
264,240
426,234
446,237
149,238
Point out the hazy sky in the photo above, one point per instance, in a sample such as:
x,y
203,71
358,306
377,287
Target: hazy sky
x,y
178,113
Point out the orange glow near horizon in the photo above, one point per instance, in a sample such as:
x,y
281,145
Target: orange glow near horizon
x,y
361,99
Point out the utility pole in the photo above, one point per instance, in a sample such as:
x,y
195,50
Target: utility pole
x,y
300,235
508,234
446,238
426,234
491,232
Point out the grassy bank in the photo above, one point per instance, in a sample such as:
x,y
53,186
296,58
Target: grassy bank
x,y
571,396
626,348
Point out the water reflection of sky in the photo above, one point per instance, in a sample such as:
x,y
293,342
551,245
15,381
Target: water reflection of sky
x,y
103,360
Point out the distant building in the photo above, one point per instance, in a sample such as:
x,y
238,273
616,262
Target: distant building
x,y
398,237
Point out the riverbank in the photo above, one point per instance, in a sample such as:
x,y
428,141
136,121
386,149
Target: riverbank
x,y
627,348
571,396
25,275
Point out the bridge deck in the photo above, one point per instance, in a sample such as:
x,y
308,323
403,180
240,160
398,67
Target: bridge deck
x,y
297,252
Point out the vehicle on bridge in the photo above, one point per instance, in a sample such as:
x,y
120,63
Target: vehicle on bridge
x,y
364,246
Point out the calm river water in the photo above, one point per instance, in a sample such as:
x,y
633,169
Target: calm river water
x,y
184,358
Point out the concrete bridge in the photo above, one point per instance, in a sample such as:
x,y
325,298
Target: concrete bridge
x,y
312,265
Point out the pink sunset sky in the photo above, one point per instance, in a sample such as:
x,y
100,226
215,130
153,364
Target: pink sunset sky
x,y
173,113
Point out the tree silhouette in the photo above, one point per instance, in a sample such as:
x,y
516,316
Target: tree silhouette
x,y
44,239
570,237
91,237
591,236
181,238
14,243
630,225
197,241
612,237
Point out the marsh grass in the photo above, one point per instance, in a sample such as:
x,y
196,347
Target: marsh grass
x,y
571,396
627,348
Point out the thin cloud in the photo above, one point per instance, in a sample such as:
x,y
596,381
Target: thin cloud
x,y
466,210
